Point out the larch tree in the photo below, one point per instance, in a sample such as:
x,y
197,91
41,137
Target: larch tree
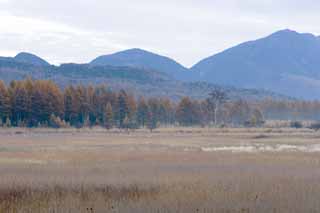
x,y
187,114
5,106
71,107
20,102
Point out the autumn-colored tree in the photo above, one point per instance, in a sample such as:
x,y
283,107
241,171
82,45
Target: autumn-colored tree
x,y
71,106
187,112
5,106
39,102
84,105
46,100
20,102
240,112
166,112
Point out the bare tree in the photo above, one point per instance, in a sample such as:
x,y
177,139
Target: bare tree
x,y
216,99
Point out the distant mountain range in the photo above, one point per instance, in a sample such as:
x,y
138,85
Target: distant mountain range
x,y
137,80
285,62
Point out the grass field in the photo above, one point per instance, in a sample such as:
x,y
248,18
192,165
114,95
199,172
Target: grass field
x,y
169,170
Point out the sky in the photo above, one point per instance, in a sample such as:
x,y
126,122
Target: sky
x,y
63,31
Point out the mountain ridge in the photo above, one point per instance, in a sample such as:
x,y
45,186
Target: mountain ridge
x,y
266,63
30,58
143,59
141,82
285,62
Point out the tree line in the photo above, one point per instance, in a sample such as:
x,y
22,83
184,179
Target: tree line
x,y
41,103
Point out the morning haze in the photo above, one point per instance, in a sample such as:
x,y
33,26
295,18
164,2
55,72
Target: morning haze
x,y
188,31
159,106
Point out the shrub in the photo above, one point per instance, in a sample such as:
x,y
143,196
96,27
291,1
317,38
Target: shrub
x,y
296,124
56,122
7,123
315,126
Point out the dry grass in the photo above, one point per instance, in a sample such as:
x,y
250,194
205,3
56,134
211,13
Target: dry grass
x,y
71,171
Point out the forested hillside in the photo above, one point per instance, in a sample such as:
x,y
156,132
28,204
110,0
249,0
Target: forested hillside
x,y
141,81
285,62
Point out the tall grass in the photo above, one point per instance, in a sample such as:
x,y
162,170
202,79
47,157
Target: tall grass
x,y
86,172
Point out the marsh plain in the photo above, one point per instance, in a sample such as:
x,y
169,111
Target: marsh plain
x,y
168,170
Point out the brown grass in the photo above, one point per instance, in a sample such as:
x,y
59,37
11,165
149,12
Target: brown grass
x,y
71,171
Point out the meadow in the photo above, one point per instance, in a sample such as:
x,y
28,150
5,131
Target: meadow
x,y
169,170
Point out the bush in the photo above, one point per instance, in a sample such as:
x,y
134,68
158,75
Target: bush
x,y
7,123
296,124
56,122
315,126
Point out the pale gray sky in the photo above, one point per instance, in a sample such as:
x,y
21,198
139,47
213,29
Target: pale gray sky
x,y
186,30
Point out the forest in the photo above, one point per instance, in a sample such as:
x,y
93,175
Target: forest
x,y
41,103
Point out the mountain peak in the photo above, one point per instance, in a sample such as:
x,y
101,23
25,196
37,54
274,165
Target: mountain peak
x,y
142,59
136,50
30,58
286,33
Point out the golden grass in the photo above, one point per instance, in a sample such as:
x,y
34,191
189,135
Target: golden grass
x,y
71,171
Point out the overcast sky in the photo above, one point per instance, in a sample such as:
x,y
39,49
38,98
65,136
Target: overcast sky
x,y
186,30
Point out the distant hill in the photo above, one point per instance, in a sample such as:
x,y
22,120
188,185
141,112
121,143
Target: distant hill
x,y
285,62
139,81
143,59
31,59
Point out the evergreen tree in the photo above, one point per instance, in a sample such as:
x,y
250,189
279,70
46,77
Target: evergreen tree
x,y
123,108
99,101
152,122
70,106
153,112
108,117
142,112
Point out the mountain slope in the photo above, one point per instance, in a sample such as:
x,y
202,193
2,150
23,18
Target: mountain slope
x,y
30,59
285,62
143,59
139,81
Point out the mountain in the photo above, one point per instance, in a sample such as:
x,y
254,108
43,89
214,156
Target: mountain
x,y
30,59
139,81
285,62
143,59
